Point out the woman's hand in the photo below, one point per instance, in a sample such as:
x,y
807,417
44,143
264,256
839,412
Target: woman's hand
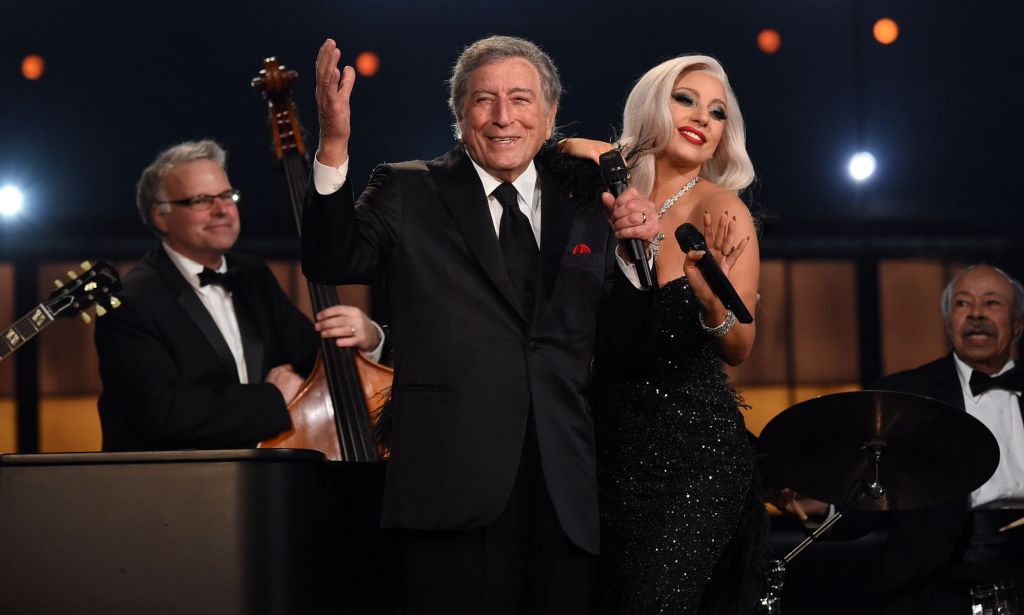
x,y
585,148
721,241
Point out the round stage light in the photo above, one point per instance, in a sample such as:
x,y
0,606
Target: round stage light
x,y
886,31
769,40
367,63
32,66
862,166
10,201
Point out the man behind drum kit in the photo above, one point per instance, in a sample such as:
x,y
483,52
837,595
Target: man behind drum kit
x,y
935,558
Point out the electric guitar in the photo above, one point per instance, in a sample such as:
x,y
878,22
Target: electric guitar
x,y
94,285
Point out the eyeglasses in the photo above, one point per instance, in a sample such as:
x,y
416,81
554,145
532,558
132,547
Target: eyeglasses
x,y
202,202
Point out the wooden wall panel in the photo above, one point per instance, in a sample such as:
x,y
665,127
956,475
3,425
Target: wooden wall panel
x,y
7,317
8,426
824,322
69,424
913,330
768,360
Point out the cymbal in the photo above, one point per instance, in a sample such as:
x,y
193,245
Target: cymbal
x,y
931,452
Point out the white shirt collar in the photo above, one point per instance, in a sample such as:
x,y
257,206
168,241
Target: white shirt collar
x,y
189,268
525,184
964,371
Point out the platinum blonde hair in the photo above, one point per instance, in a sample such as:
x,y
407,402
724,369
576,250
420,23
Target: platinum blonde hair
x,y
494,49
147,191
647,123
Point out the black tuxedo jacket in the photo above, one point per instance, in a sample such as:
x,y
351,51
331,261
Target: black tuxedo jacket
x,y
922,543
169,379
469,364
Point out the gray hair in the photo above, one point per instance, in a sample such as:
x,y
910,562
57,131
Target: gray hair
x,y
494,49
647,123
147,191
1018,295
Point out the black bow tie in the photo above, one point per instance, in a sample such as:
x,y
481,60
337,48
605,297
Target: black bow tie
x,y
228,280
1010,380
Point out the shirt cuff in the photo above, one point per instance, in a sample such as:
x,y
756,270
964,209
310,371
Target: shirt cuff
x,y
328,180
374,355
629,269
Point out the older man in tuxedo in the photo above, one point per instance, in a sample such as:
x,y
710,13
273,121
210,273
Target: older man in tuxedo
x,y
499,262
206,350
933,557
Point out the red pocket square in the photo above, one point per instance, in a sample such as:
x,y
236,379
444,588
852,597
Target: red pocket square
x,y
581,248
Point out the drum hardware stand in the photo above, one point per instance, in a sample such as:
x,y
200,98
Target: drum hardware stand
x,y
771,602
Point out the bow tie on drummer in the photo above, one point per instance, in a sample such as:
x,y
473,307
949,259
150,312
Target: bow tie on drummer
x,y
228,280
1010,380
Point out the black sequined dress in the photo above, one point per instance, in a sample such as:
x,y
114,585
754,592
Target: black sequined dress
x,y
680,503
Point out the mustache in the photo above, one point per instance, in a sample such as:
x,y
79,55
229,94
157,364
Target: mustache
x,y
979,327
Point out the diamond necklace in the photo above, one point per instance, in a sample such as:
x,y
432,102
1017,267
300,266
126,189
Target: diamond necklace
x,y
667,205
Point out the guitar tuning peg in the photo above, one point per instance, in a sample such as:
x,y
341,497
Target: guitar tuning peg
x,y
86,318
86,266
114,302
100,310
58,283
72,275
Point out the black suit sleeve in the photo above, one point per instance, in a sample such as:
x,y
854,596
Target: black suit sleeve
x,y
628,326
348,243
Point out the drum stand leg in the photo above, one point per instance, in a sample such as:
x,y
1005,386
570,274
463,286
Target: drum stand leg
x,y
771,602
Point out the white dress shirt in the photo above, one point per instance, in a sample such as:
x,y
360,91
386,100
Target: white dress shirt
x,y
218,303
999,410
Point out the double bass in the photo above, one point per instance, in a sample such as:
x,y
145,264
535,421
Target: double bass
x,y
338,406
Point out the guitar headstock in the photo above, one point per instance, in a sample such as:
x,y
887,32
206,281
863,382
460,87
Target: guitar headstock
x,y
94,285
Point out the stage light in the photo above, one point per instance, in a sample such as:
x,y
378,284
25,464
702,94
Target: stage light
x,y
886,31
367,63
769,40
10,201
32,66
862,166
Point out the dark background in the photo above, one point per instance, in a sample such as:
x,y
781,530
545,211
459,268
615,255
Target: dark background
x,y
940,108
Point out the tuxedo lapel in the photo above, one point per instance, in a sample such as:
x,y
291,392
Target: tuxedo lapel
x,y
460,189
946,382
556,219
194,308
249,313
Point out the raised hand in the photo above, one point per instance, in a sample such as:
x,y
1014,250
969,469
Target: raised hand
x,y
721,239
333,90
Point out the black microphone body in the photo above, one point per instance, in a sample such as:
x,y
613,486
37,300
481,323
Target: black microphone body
x,y
615,175
690,238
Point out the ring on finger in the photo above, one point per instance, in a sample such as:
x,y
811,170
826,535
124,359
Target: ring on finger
x,y
353,331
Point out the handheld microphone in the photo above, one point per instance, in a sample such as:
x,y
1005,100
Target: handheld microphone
x,y
690,238
615,175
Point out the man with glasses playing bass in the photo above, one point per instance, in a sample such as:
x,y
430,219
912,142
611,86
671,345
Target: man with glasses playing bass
x,y
206,350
